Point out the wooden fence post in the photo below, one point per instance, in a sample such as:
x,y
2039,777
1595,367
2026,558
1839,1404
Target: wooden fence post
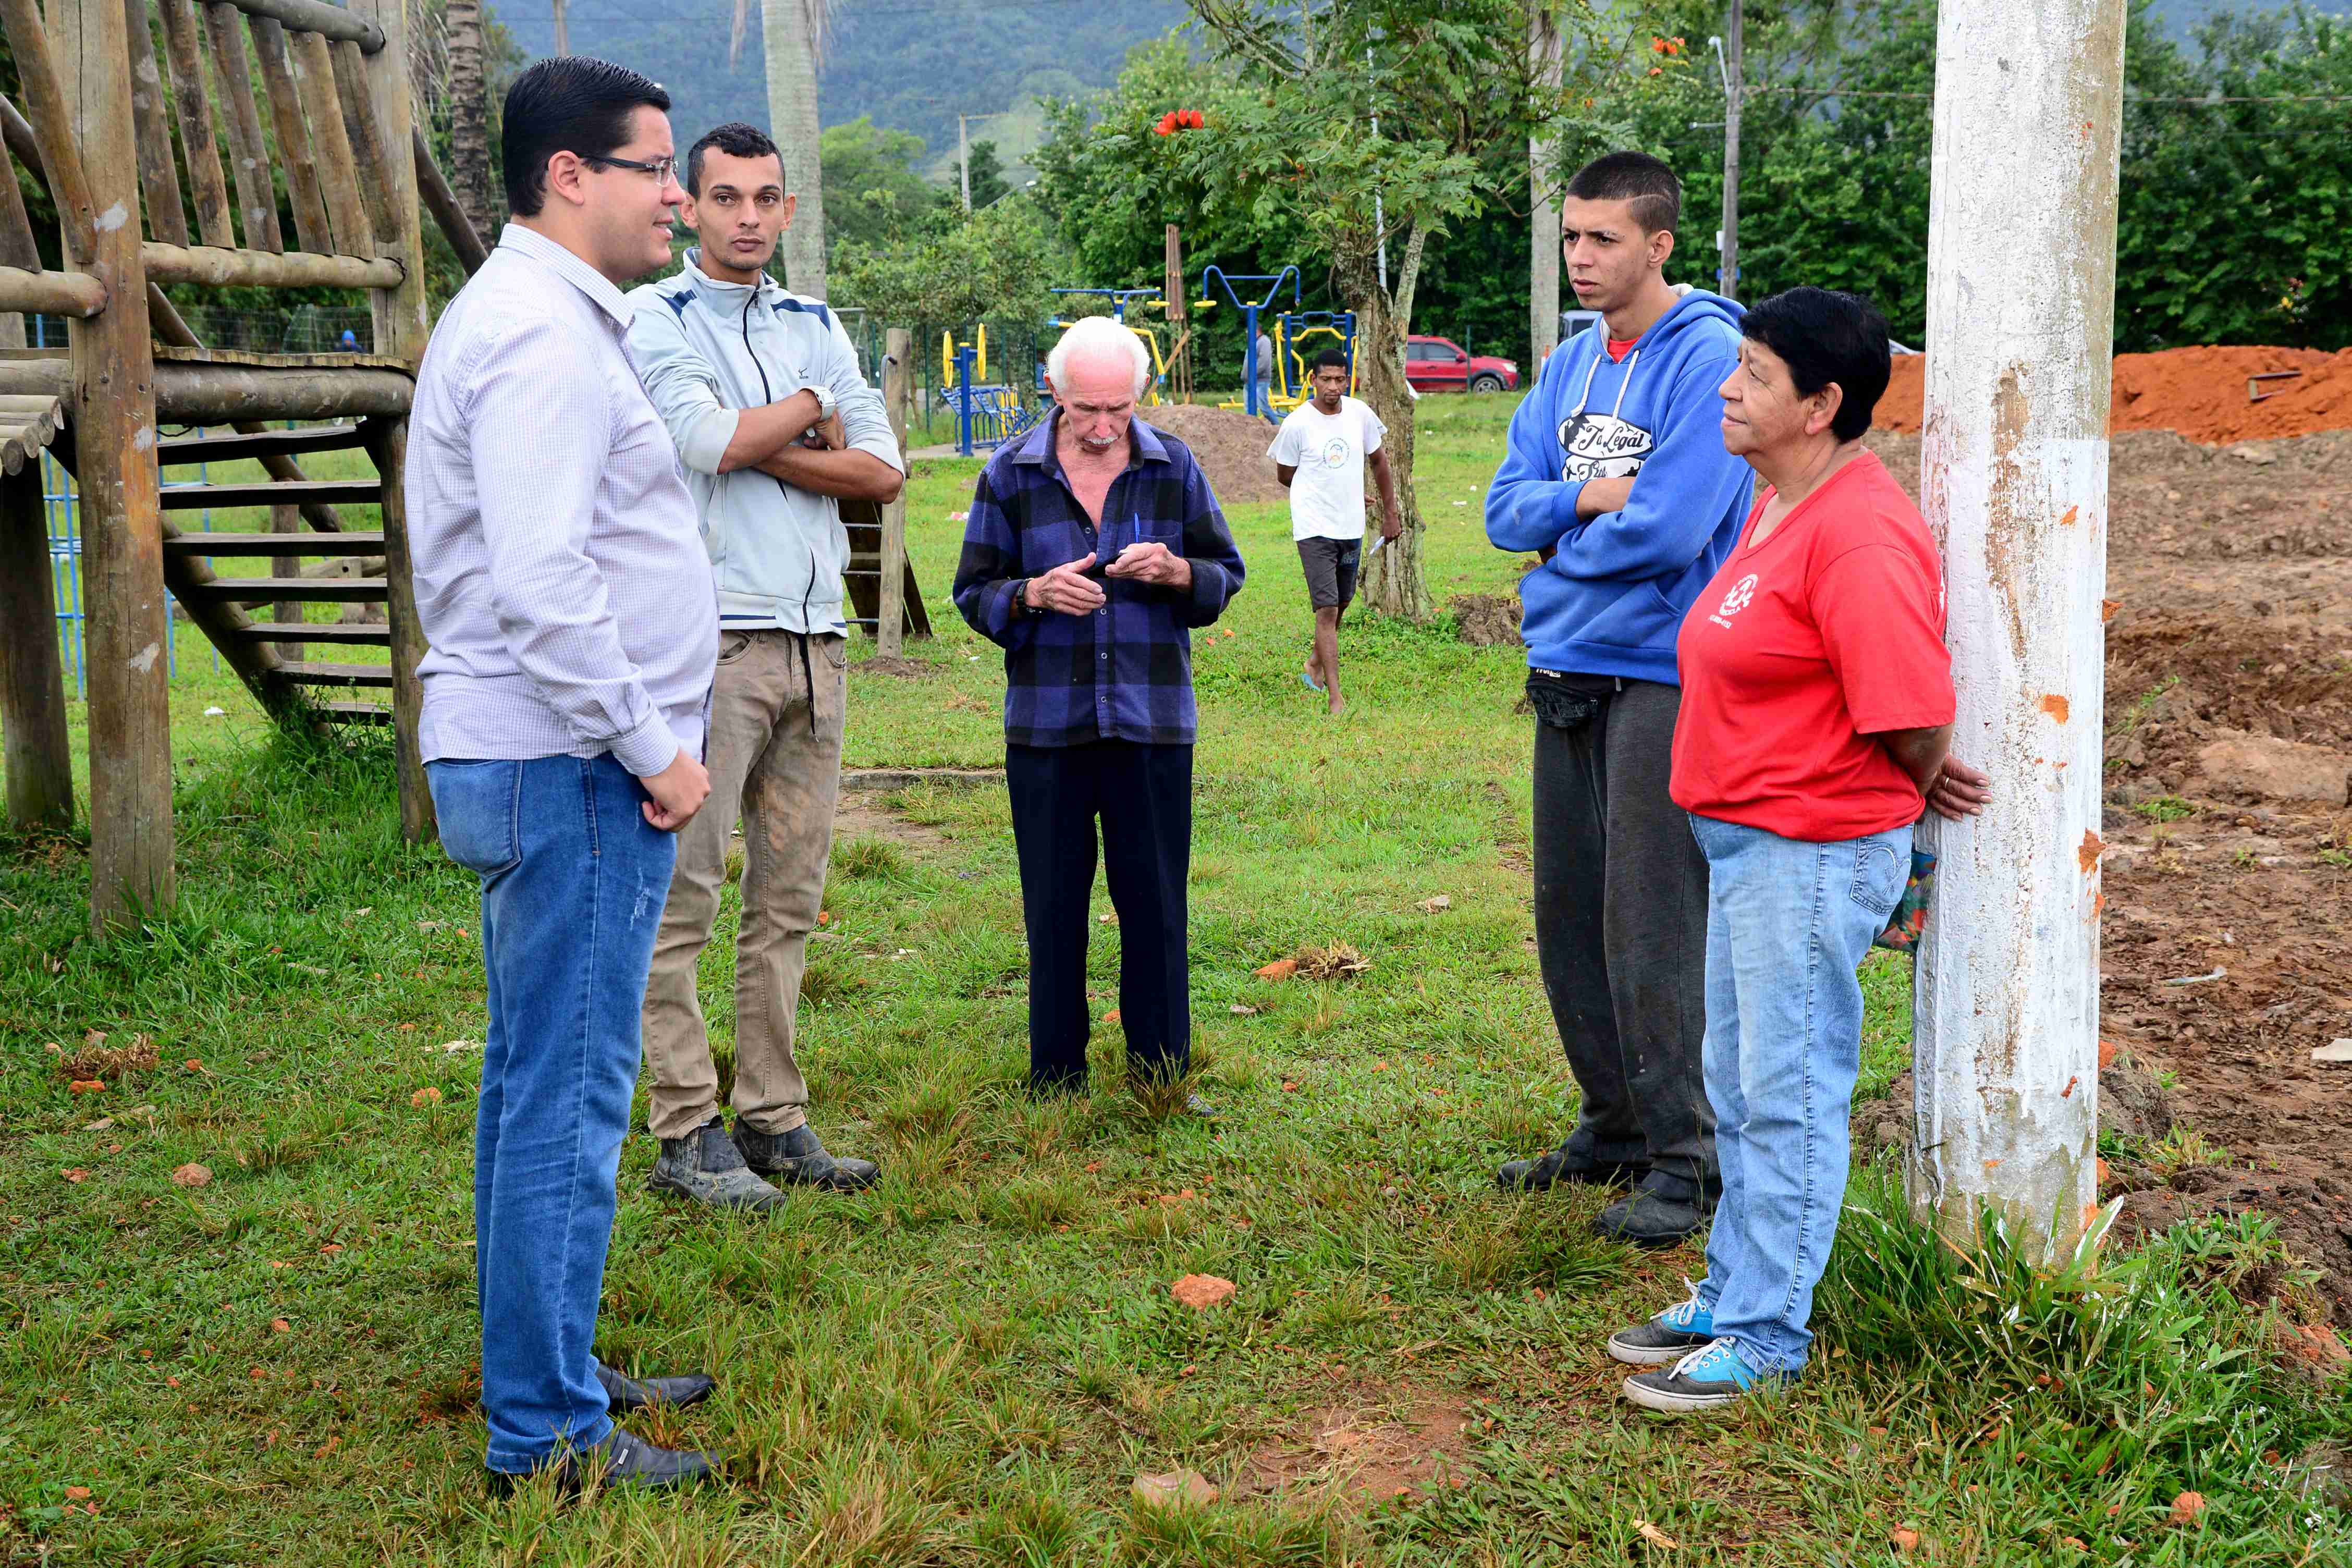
x,y
128,624
403,324
32,678
890,620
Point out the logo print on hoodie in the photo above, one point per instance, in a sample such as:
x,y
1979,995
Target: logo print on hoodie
x,y
1603,446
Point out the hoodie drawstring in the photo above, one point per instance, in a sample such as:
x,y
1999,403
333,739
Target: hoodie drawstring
x,y
1631,360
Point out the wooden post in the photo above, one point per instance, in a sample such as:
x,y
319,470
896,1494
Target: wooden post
x,y
42,78
256,197
2021,318
158,176
388,446
359,79
447,211
286,519
1179,357
1543,196
338,176
114,408
311,230
403,324
32,678
197,145
891,619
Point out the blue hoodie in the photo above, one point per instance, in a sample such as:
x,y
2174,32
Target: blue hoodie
x,y
1611,599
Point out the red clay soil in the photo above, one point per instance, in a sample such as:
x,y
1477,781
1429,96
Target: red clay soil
x,y
2199,392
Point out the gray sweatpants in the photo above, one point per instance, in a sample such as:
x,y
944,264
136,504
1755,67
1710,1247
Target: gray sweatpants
x,y
1621,931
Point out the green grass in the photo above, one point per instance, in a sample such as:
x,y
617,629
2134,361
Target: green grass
x,y
971,1364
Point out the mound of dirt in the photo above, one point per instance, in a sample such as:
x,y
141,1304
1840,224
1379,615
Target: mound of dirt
x,y
1486,620
1230,447
2200,392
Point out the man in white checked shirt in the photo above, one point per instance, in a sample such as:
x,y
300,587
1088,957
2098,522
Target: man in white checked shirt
x,y
563,585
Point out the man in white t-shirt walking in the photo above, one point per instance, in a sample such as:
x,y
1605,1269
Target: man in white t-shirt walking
x,y
1320,455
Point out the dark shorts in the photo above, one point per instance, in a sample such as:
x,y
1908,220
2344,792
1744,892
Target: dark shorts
x,y
1331,566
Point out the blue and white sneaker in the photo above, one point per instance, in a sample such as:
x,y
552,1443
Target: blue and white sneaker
x,y
1706,1379
1671,1335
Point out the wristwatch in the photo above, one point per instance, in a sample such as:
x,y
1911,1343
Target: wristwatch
x,y
1021,598
827,406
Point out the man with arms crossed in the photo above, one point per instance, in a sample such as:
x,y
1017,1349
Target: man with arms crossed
x,y
1318,454
760,391
1617,478
569,606
1098,713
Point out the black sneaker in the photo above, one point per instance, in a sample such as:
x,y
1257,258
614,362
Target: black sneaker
x,y
705,1166
626,1394
798,1159
1556,1167
620,1460
1671,1335
1652,1220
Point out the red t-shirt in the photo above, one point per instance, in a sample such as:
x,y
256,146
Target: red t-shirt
x,y
1619,347
1802,648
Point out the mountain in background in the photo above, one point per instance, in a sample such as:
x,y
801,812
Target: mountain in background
x,y
910,65
2183,17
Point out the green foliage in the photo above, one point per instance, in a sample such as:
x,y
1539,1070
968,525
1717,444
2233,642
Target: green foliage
x,y
873,194
987,174
998,263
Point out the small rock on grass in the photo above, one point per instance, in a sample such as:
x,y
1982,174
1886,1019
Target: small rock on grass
x,y
1177,1488
1200,1291
192,1175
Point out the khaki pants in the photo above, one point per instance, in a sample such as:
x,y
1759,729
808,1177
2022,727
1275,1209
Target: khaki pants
x,y
774,757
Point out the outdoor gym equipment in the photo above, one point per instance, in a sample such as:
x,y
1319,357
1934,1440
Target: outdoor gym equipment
x,y
986,416
1293,327
1141,299
1249,309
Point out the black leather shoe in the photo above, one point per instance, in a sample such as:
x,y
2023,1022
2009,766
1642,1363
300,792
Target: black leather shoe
x,y
1652,1220
627,1394
620,1460
798,1158
1555,1167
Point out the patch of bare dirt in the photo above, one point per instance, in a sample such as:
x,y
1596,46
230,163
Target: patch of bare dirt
x,y
860,813
1230,447
2232,567
896,667
1371,1448
1486,620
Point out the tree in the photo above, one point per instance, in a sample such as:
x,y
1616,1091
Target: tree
x,y
997,264
987,181
793,32
469,119
873,192
1459,95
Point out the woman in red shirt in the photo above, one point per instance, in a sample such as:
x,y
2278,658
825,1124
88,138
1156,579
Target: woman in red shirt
x,y
1816,725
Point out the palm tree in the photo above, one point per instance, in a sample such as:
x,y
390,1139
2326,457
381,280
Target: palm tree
x,y
469,118
794,36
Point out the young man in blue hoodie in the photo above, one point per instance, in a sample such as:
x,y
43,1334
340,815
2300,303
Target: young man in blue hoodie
x,y
1618,480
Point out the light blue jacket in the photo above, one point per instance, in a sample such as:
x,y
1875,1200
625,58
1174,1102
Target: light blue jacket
x,y
708,350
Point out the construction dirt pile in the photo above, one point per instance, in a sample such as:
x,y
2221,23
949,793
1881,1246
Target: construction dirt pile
x,y
2202,392
1230,447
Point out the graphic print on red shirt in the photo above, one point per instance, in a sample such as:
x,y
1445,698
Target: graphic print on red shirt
x,y
1800,651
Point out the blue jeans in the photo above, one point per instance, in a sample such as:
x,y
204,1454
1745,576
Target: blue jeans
x,y
1787,925
573,880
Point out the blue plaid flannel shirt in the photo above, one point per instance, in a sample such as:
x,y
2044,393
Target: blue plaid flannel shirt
x,y
1124,673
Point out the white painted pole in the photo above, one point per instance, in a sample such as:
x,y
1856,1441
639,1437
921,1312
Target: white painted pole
x,y
2021,313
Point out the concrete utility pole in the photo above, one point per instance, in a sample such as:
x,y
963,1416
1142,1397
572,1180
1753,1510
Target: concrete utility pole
x,y
2020,314
1734,29
963,157
1543,197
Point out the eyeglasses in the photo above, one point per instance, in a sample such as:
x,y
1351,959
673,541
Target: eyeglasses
x,y
662,169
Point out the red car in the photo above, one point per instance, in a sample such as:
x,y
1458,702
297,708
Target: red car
x,y
1440,364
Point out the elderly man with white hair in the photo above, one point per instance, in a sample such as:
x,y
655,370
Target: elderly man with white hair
x,y
1093,549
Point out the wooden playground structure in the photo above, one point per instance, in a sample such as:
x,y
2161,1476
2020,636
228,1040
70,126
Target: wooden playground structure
x,y
99,126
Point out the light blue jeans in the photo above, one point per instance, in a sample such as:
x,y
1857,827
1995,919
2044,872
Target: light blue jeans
x,y
1787,925
573,881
